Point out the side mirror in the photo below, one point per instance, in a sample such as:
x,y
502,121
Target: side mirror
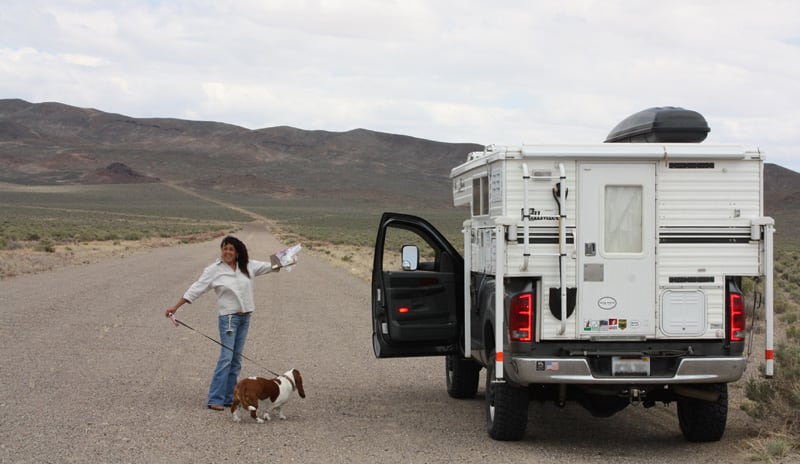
x,y
410,258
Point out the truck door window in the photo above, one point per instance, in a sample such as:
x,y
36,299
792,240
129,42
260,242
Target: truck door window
x,y
396,239
623,219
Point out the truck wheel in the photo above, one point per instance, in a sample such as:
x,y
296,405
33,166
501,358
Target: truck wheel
x,y
462,376
701,420
506,408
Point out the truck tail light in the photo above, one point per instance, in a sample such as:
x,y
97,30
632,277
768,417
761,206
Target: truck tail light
x,y
520,319
737,317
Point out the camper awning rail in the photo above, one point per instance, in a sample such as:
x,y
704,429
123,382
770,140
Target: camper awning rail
x,y
612,152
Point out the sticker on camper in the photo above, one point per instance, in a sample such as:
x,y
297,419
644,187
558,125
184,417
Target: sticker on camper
x,y
590,326
607,303
608,325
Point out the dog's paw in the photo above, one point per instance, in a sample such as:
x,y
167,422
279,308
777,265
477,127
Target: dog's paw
x,y
259,420
236,418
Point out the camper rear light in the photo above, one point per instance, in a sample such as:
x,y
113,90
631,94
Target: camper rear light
x,y
520,319
738,317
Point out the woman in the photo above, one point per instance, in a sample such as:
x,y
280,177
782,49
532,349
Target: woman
x,y
231,278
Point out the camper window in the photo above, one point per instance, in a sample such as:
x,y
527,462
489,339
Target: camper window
x,y
623,219
480,196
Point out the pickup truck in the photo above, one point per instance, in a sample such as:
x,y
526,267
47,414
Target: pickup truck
x,y
606,274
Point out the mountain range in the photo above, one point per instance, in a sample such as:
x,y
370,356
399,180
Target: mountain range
x,y
54,143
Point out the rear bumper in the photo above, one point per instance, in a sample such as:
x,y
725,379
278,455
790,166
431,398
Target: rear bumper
x,y
525,371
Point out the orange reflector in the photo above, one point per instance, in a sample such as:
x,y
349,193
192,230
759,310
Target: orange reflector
x,y
770,354
402,310
499,357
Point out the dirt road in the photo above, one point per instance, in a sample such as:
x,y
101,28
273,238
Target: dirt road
x,y
92,372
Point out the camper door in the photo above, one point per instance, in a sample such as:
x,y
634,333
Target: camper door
x,y
616,251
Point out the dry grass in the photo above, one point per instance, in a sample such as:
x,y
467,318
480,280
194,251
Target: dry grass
x,y
27,259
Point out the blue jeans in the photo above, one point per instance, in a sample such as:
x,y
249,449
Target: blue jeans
x,y
232,333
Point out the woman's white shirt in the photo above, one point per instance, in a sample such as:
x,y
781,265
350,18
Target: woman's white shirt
x,y
234,289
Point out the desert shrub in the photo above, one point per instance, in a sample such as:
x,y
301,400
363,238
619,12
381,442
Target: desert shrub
x,y
26,224
774,447
759,391
776,401
748,285
781,304
793,331
113,212
14,245
789,318
46,246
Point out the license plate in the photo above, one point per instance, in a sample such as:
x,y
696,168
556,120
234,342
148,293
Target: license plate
x,y
627,366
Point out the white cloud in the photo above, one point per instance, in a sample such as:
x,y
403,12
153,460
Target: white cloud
x,y
84,60
448,70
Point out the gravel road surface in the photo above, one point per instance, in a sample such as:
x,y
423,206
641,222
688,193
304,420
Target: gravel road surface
x,y
92,372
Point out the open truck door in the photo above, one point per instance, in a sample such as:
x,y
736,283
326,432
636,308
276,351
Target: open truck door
x,y
417,290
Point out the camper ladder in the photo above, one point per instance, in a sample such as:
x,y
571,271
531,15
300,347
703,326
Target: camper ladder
x,y
560,195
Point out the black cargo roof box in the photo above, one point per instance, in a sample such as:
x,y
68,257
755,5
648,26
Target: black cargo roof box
x,y
666,124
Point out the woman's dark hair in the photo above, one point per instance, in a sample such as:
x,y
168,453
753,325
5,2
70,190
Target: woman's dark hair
x,y
241,253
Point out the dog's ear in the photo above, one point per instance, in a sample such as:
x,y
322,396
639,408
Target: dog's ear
x,y
298,380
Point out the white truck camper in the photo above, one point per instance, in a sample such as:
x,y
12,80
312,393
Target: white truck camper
x,y
608,274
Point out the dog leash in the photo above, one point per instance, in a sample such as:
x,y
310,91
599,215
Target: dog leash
x,y
179,322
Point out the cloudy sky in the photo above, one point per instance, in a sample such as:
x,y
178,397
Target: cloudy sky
x,y
505,72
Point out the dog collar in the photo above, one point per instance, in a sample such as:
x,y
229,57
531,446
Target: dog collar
x,y
291,382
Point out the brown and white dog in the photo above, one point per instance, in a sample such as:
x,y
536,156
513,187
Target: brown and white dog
x,y
254,393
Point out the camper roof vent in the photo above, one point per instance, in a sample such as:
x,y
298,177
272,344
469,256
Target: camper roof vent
x,y
667,124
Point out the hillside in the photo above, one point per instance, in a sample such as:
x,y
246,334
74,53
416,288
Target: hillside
x,y
53,143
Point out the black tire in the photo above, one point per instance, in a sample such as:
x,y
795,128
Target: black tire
x,y
506,408
462,377
703,421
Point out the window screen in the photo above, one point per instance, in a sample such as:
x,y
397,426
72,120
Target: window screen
x,y
623,219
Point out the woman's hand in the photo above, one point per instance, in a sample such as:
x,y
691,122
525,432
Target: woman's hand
x,y
170,311
173,309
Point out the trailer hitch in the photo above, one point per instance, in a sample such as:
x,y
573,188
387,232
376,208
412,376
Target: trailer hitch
x,y
635,396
